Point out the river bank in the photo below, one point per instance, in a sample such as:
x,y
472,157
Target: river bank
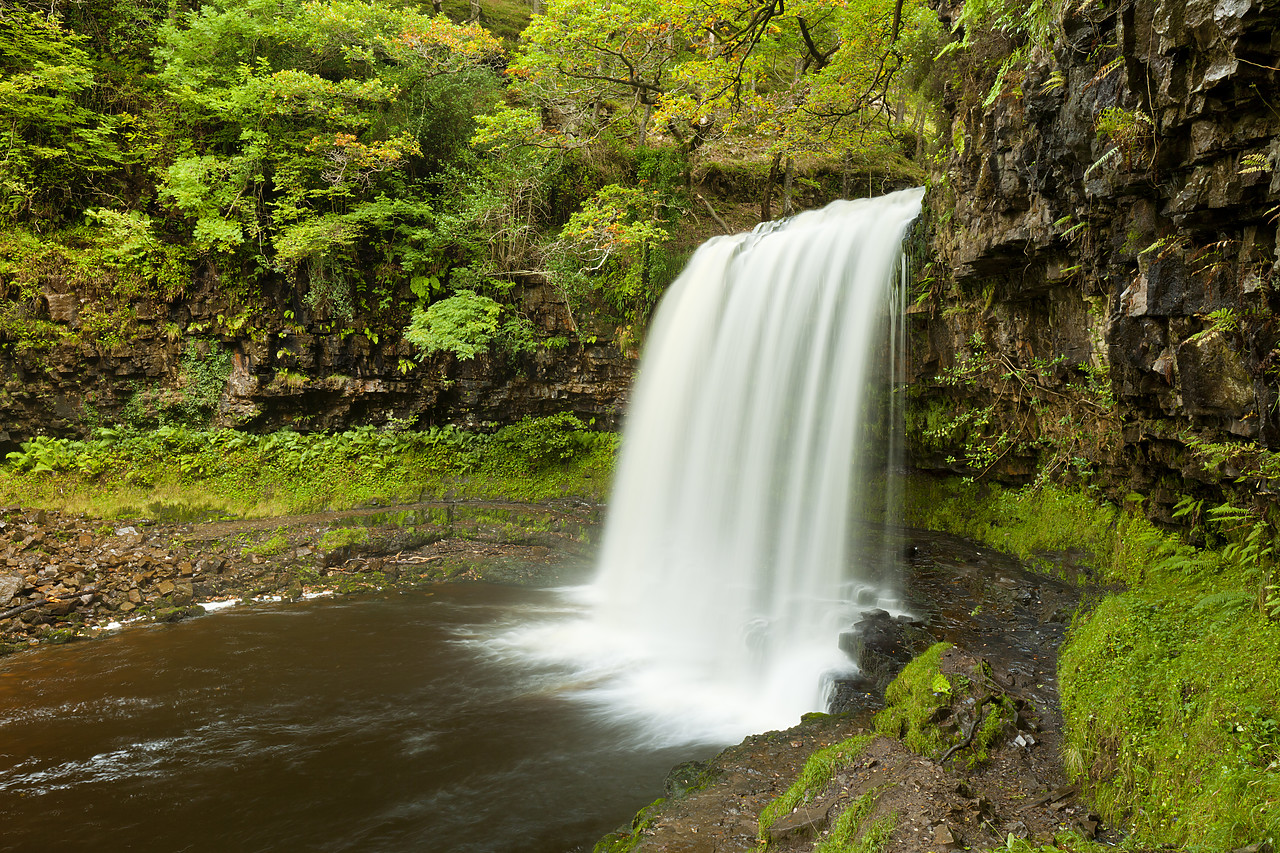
x,y
66,577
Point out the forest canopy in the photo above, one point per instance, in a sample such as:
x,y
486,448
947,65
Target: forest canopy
x,y
373,157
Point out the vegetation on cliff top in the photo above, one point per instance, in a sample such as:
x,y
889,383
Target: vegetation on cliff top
x,y
340,163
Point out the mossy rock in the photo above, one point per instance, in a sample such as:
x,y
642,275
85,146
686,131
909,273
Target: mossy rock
x,y
688,777
945,703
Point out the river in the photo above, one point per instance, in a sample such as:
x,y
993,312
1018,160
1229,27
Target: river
x,y
382,723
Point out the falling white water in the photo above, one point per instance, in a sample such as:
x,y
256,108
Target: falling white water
x,y
730,562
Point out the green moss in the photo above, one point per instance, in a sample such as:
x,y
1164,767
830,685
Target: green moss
x,y
1173,716
58,636
853,834
275,544
818,771
1000,714
625,841
343,537
1036,521
912,698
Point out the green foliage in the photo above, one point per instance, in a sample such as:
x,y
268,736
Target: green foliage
x,y
54,144
118,469
1224,321
1169,723
1018,21
793,80
1172,727
112,264
1004,409
1130,132
204,378
818,771
312,117
911,699
1028,522
276,543
609,250
466,324
343,537
535,444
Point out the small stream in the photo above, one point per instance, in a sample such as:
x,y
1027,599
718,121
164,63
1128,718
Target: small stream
x,y
371,724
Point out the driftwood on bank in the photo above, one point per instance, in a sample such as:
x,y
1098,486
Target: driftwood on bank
x,y
22,608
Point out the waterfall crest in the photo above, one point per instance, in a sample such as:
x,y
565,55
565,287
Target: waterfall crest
x,y
732,557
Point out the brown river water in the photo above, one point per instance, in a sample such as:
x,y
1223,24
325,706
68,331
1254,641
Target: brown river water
x,y
370,724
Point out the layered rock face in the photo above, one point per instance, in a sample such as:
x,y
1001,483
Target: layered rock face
x,y
1107,219
187,359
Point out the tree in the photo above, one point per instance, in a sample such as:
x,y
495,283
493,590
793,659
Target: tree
x,y
804,77
319,128
56,149
599,64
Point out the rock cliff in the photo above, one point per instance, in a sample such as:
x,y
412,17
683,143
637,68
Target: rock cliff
x,y
289,367
1099,240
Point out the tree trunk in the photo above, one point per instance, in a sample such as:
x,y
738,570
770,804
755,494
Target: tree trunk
x,y
475,11
643,130
537,7
438,6
788,178
766,203
724,226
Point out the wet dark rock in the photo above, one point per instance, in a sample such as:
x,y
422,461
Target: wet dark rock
x,y
177,614
686,777
339,381
881,645
9,587
210,566
806,820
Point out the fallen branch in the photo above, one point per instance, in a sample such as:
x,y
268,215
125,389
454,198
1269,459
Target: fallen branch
x,y
22,608
968,736
724,226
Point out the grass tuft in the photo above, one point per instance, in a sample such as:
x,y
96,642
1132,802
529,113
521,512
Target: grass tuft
x,y
818,771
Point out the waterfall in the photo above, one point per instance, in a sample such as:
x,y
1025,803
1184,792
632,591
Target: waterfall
x,y
744,531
